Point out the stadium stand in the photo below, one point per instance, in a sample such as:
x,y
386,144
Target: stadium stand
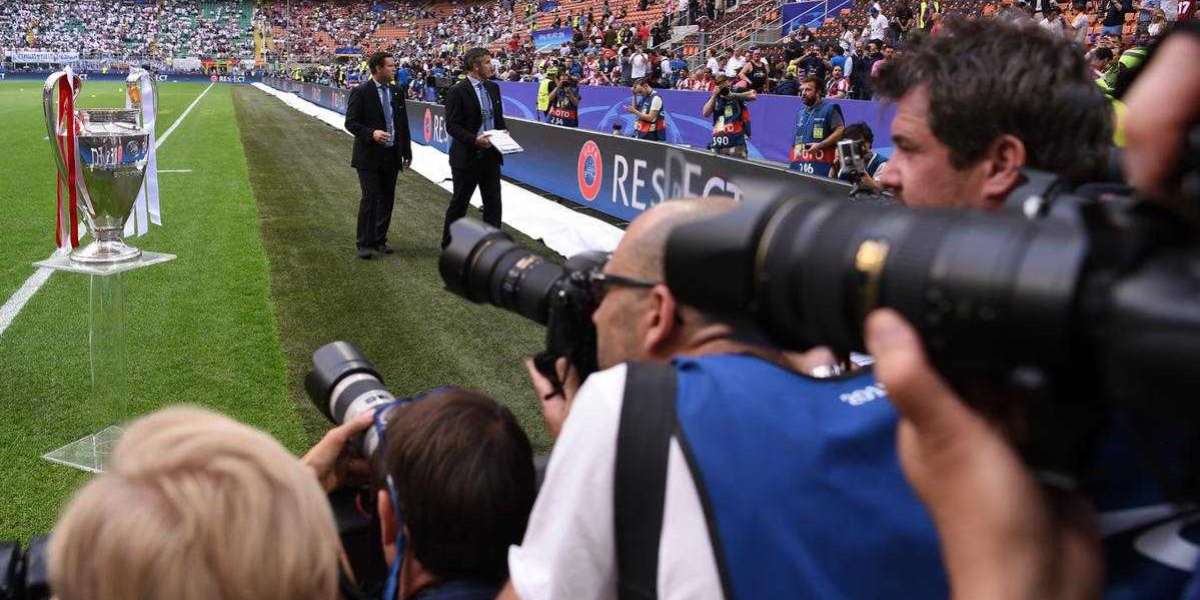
x,y
324,41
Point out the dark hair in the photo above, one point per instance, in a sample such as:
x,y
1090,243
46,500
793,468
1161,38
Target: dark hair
x,y
472,56
838,50
859,131
377,59
1103,53
982,77
813,79
463,471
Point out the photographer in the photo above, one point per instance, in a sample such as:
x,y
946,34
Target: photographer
x,y
763,474
647,107
961,135
564,102
819,127
455,484
873,163
1004,534
196,506
731,118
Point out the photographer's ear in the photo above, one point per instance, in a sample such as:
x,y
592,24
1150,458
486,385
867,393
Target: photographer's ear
x,y
1002,163
388,526
660,323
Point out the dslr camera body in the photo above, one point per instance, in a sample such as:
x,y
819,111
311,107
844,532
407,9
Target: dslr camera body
x,y
484,265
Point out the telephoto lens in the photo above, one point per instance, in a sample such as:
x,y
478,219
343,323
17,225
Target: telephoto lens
x,y
344,384
483,264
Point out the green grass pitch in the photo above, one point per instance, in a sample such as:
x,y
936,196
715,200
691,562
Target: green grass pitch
x,y
263,226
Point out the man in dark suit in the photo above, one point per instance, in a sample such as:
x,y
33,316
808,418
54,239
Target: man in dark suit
x,y
473,107
376,116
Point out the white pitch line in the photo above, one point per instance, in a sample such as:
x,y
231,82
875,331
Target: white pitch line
x,y
174,170
13,307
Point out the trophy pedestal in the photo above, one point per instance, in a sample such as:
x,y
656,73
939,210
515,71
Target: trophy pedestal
x,y
89,453
107,353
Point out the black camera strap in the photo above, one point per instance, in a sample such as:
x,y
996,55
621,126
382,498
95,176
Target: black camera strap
x,y
640,481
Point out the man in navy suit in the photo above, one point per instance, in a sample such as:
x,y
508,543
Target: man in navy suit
x,y
376,116
472,108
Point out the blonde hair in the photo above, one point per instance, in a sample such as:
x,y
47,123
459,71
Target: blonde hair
x,y
197,506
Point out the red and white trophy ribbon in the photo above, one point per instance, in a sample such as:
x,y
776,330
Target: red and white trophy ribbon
x,y
66,229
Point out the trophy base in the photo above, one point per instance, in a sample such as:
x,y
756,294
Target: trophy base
x,y
90,453
104,252
62,262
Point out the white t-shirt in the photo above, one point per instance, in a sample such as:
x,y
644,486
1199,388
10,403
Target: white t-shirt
x,y
733,65
713,64
878,26
638,63
569,550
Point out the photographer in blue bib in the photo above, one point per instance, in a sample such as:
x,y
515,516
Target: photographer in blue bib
x,y
564,101
731,117
858,163
650,116
753,480
819,127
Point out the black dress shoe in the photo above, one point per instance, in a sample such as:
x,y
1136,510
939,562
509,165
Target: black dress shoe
x,y
384,249
364,253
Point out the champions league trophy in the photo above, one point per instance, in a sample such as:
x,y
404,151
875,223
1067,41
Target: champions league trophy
x,y
101,156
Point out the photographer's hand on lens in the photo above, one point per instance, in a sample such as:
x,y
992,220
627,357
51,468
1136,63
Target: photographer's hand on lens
x,y
1002,534
556,403
334,461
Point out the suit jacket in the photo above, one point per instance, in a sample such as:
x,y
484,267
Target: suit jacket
x,y
364,114
463,119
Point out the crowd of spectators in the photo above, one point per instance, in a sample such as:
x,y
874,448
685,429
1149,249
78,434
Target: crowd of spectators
x,y
123,30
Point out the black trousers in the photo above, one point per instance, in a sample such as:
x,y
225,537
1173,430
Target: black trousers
x,y
485,175
375,207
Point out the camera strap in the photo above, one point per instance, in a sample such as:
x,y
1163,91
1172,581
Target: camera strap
x,y
640,482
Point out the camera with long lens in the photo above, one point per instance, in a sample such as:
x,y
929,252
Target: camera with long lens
x,y
1067,308
344,384
484,265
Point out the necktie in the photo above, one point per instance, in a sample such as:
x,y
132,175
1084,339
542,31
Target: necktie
x,y
485,102
387,117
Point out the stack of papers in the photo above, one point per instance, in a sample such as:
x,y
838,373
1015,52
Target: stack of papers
x,y
503,142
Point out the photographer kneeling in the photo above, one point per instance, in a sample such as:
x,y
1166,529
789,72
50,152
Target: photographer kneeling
x,y
863,166
455,484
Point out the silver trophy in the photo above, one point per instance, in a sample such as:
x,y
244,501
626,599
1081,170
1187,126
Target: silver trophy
x,y
111,152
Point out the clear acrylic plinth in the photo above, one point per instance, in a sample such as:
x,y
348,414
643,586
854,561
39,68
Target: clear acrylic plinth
x,y
91,453
107,353
63,262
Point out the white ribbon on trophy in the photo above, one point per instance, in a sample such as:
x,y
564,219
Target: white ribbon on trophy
x,y
141,92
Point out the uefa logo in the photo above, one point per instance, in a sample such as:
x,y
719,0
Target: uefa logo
x,y
590,170
428,126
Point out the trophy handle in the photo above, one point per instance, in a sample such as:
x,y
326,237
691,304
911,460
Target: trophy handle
x,y
49,92
134,82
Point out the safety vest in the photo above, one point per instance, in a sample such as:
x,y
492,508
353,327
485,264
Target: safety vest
x,y
730,121
563,112
812,126
651,131
921,18
543,100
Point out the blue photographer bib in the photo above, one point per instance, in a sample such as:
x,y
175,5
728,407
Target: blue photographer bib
x,y
814,124
805,492
729,123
